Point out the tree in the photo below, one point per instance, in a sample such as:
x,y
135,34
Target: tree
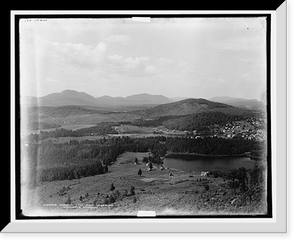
x,y
243,179
136,160
140,172
255,175
150,166
68,200
105,168
132,190
233,176
112,187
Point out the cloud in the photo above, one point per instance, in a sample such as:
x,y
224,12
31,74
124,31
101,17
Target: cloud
x,y
151,70
117,38
134,63
116,60
165,61
187,69
131,66
77,54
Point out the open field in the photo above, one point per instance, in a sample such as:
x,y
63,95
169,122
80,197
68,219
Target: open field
x,y
123,131
168,192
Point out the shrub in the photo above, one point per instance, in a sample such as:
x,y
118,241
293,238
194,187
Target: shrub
x,y
140,172
132,191
95,203
112,187
105,169
116,194
63,191
68,200
111,199
206,187
105,201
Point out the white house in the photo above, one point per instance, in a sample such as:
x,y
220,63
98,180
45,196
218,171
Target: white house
x,y
204,174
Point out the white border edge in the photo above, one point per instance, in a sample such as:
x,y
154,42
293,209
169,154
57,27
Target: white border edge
x,y
279,224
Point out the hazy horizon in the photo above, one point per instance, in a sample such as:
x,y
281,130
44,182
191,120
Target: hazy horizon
x,y
143,93
173,57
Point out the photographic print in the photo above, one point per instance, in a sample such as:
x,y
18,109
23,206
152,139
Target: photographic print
x,y
166,114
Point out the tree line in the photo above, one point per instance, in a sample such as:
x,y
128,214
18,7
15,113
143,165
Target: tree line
x,y
213,146
100,129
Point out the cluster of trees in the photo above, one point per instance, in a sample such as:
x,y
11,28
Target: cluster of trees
x,y
86,158
99,129
249,182
212,146
201,121
73,172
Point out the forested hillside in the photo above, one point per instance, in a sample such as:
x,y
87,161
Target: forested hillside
x,y
201,121
184,107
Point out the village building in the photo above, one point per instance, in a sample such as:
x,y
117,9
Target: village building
x,y
204,174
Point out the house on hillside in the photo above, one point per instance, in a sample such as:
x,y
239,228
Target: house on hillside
x,y
204,174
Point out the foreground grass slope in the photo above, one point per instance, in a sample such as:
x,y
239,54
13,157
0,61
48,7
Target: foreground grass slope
x,y
168,192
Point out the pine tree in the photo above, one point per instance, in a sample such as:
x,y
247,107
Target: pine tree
x,y
132,190
140,172
68,200
112,187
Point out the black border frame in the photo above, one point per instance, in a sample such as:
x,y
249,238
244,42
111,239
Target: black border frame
x,y
18,210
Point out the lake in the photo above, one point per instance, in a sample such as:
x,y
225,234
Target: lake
x,y
206,163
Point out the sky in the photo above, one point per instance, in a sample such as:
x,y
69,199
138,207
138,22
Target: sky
x,y
174,57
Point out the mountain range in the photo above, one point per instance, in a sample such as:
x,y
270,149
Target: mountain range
x,y
72,107
75,98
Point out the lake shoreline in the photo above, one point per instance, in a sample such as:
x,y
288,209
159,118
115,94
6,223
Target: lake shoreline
x,y
204,155
198,162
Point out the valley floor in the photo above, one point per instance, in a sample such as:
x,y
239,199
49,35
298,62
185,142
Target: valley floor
x,y
167,192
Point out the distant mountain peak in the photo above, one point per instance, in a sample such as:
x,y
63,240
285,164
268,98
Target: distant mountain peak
x,y
74,92
149,99
68,90
239,102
